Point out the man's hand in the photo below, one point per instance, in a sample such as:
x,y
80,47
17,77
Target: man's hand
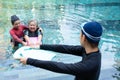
x,y
23,60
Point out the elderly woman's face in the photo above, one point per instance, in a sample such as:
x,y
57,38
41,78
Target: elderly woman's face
x,y
32,26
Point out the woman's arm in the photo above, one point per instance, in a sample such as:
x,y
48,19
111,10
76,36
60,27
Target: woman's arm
x,y
40,31
16,38
27,39
39,42
40,35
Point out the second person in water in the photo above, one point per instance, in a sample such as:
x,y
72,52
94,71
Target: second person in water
x,y
33,36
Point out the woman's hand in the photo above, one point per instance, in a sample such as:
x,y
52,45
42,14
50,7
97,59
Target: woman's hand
x,y
37,43
30,43
24,43
23,60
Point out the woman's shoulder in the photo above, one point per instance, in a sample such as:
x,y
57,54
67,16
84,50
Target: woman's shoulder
x,y
23,26
40,29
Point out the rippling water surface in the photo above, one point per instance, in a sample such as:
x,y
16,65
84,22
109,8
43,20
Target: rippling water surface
x,y
61,20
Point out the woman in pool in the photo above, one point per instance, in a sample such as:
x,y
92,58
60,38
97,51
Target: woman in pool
x,y
33,36
17,32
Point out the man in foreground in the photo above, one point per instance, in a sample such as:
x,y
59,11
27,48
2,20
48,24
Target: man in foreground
x,y
86,69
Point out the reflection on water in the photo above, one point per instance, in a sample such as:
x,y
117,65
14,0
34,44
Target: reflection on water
x,y
60,20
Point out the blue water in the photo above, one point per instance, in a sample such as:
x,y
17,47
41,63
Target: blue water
x,y
61,20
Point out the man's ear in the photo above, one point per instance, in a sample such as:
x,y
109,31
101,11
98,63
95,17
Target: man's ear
x,y
84,37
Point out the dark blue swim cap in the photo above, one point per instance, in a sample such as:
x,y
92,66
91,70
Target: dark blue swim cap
x,y
92,31
14,18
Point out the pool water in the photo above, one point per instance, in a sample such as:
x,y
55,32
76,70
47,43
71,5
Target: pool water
x,y
60,21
